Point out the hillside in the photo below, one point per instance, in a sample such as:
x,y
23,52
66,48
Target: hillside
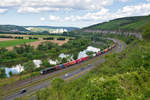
x,y
124,24
123,76
12,28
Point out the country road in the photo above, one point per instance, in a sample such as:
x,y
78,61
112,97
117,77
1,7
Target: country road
x,y
74,74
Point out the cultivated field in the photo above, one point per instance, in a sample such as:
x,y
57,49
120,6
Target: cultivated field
x,y
37,36
36,43
5,39
14,35
10,43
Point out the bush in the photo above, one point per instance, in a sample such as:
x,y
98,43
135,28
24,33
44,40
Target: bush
x,y
49,38
57,85
2,73
3,36
29,66
61,38
19,37
146,31
33,38
46,63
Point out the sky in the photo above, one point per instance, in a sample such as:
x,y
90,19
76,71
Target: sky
x,y
76,13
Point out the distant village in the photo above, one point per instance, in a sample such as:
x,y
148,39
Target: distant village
x,y
52,31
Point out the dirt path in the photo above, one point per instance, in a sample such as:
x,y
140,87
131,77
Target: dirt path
x,y
3,39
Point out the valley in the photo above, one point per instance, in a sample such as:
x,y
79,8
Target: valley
x,y
105,61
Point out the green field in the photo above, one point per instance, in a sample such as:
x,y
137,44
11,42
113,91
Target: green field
x,y
45,36
14,42
36,36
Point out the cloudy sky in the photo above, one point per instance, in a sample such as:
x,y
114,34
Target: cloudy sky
x,y
79,13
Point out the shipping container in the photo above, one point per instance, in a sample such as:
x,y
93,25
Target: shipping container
x,y
61,66
72,62
57,67
102,52
78,60
66,64
83,59
105,50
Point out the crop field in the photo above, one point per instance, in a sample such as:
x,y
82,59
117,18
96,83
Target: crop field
x,y
4,39
36,36
9,43
36,43
14,35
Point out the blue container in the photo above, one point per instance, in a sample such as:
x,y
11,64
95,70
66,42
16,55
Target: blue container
x,y
102,52
61,66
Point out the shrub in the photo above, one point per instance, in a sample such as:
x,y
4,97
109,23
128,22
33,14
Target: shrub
x,y
2,73
61,38
146,31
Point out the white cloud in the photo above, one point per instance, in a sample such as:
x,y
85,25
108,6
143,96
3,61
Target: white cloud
x,y
37,6
141,9
100,15
104,14
95,9
8,3
3,10
42,19
124,0
35,10
54,18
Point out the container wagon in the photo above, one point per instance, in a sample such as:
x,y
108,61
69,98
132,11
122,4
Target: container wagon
x,y
61,66
66,64
48,70
57,67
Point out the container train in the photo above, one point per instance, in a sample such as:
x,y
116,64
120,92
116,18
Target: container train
x,y
68,64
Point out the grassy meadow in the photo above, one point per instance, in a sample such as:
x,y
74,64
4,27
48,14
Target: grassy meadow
x,y
15,42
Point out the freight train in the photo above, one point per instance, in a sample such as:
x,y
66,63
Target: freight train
x,y
68,64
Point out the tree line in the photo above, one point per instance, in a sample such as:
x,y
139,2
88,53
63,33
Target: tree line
x,y
24,54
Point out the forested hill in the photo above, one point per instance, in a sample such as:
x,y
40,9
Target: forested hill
x,y
22,29
124,24
12,28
